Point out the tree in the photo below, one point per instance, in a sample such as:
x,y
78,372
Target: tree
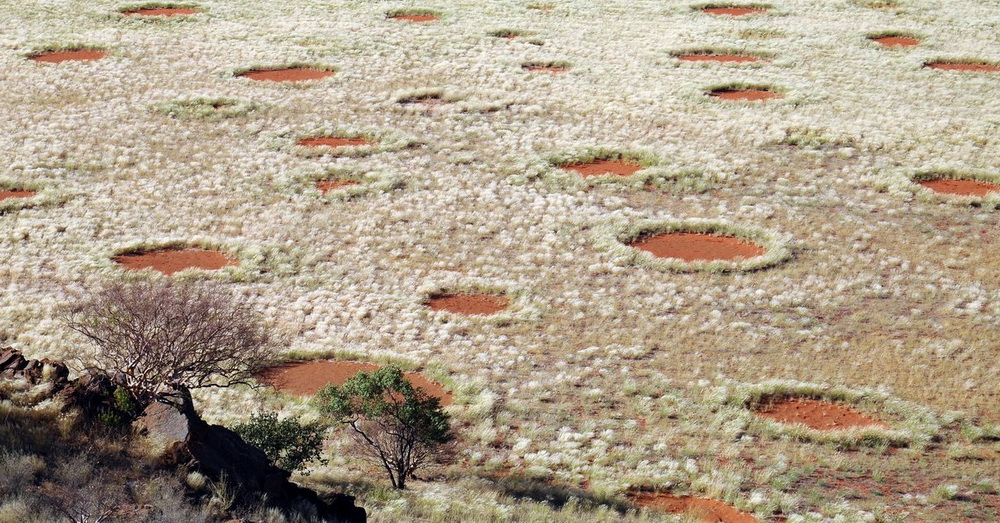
x,y
157,337
288,443
394,424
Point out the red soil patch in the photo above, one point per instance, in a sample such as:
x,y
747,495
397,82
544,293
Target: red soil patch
x,y
733,11
698,247
602,167
16,193
815,414
965,67
896,41
325,186
162,11
292,74
55,57
415,18
749,95
169,261
705,509
554,69
308,378
469,304
730,58
961,187
330,141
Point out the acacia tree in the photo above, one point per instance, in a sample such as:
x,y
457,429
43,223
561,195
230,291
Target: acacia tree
x,y
161,336
395,425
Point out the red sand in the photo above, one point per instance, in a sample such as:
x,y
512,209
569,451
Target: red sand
x,y
469,304
708,510
698,247
293,74
733,11
815,414
325,186
307,378
750,95
602,167
554,69
162,11
55,57
330,141
16,193
732,58
415,18
961,187
896,41
966,67
169,261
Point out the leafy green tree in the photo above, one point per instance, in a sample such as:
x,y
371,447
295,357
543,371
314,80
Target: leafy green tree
x,y
288,443
396,425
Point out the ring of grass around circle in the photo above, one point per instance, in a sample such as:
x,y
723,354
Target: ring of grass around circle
x,y
909,424
615,238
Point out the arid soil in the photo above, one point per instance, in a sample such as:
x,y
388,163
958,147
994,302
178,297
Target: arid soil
x,y
961,187
704,509
330,141
897,41
749,95
307,378
469,304
602,167
169,261
815,414
966,67
56,57
325,186
696,246
15,193
733,11
162,11
729,58
415,18
554,69
292,74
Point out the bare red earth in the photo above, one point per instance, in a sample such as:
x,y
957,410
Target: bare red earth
x,y
733,11
897,41
308,378
325,186
16,193
749,95
961,187
965,67
708,510
698,247
816,414
162,11
602,167
415,18
554,69
56,57
469,304
729,58
169,261
291,74
330,141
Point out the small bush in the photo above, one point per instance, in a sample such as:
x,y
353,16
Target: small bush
x,y
288,443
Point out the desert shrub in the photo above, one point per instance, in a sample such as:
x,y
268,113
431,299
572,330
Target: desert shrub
x,y
156,336
394,424
288,443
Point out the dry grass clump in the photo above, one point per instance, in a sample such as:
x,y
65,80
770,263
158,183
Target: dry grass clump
x,y
206,108
614,236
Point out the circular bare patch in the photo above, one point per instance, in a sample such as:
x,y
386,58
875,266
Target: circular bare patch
x,y
961,187
331,141
896,41
969,67
55,57
733,11
816,414
290,74
171,260
16,193
553,69
469,304
309,377
726,58
704,509
427,99
419,18
747,95
603,167
325,186
689,246
162,11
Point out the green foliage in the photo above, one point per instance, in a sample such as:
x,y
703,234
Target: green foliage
x,y
395,424
122,409
288,443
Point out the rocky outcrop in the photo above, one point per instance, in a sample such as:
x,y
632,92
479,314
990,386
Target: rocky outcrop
x,y
13,365
184,440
